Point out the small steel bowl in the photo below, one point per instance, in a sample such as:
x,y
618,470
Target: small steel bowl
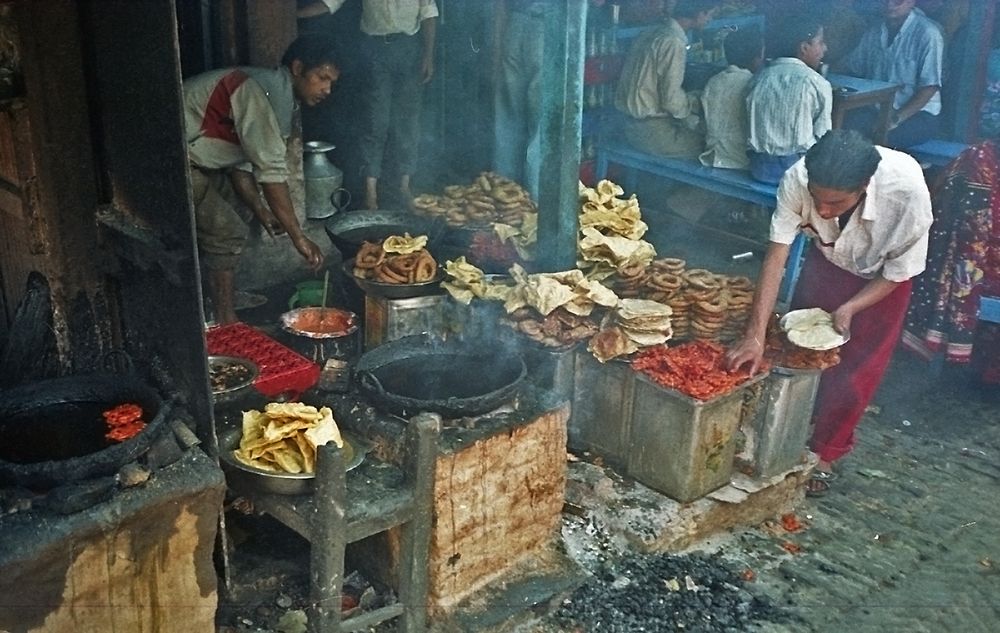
x,y
240,389
242,477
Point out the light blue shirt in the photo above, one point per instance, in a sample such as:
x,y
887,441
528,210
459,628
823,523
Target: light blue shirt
x,y
914,59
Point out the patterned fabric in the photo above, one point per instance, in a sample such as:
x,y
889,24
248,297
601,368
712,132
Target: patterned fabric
x,y
964,261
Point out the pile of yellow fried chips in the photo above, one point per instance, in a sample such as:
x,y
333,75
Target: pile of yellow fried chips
x,y
284,437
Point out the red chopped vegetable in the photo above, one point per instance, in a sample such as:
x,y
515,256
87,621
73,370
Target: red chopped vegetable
x,y
123,421
695,369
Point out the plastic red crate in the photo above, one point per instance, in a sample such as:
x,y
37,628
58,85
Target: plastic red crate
x,y
282,370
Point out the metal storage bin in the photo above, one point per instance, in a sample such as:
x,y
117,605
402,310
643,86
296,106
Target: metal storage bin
x,y
550,368
390,319
602,407
681,446
777,435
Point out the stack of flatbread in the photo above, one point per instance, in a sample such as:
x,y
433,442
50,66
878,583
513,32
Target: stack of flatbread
x,y
611,231
634,324
284,437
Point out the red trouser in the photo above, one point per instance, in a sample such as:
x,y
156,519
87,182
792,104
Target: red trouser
x,y
846,389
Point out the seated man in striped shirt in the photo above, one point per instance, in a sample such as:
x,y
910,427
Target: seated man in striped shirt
x,y
790,104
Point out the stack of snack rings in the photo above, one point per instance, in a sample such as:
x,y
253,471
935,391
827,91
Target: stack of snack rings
x,y
372,262
490,199
706,306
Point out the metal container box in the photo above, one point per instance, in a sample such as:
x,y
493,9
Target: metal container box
x,y
681,446
776,436
602,407
550,368
391,319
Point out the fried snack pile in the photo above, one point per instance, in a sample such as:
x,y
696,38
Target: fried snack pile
x,y
569,289
611,229
557,329
634,324
782,353
123,422
490,199
284,437
397,260
695,369
706,306
468,282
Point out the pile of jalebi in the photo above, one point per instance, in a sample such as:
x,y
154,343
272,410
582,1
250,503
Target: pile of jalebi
x,y
696,369
123,422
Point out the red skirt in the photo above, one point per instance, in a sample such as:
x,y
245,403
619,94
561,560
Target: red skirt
x,y
846,389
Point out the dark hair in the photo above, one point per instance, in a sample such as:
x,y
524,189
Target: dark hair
x,y
311,50
842,160
743,46
791,32
691,8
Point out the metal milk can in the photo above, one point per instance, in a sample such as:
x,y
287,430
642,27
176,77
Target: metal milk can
x,y
325,194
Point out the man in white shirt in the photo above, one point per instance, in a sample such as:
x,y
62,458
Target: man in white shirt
x,y
724,101
790,104
906,49
868,211
399,45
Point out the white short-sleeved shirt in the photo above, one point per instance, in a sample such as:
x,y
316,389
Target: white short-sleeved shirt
x,y
886,236
725,107
914,59
387,17
789,107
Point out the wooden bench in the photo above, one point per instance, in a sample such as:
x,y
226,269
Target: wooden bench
x,y
936,152
735,183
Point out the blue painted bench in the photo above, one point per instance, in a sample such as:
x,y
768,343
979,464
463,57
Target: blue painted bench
x,y
989,309
735,183
936,152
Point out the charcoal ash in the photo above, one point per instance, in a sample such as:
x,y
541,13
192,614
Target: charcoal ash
x,y
699,593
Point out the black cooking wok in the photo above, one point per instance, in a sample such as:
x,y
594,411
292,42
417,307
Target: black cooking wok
x,y
348,230
455,379
52,431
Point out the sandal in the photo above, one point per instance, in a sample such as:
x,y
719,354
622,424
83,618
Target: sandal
x,y
819,483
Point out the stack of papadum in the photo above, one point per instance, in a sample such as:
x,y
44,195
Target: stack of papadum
x,y
466,282
284,437
632,325
611,229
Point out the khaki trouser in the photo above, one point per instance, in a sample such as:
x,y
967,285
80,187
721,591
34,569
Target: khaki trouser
x,y
222,231
665,136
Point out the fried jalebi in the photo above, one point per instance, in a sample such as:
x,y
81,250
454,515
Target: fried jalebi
x,y
369,255
425,267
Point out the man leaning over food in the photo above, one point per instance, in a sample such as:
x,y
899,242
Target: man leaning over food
x,y
868,212
237,120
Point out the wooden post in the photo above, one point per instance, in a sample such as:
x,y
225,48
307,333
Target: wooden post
x,y
329,532
422,437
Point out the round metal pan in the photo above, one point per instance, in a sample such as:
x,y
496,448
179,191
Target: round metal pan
x,y
349,230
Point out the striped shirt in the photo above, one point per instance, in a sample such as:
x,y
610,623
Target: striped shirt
x,y
789,108
886,236
914,58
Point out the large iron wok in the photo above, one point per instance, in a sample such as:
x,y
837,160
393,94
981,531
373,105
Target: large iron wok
x,y
349,230
52,431
453,378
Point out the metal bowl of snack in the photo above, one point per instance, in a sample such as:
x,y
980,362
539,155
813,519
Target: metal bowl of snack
x,y
243,477
231,377
395,291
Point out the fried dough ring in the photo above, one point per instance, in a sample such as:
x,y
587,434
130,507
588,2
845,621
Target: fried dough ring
x,y
507,193
739,283
402,264
387,275
425,267
713,306
665,281
369,255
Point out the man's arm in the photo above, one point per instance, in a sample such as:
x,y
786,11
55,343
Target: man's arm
x,y
280,201
750,349
246,188
914,105
873,292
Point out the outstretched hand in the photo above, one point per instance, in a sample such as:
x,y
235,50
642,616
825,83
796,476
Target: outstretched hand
x,y
310,252
748,350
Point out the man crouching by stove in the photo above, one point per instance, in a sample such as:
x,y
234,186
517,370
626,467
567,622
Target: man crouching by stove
x,y
237,121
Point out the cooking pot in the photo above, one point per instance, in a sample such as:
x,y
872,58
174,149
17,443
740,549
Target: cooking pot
x,y
52,431
456,379
348,230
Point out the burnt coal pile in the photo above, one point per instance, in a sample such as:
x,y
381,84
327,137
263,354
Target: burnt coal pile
x,y
696,593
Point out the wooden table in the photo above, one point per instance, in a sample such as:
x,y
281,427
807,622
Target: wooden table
x,y
855,92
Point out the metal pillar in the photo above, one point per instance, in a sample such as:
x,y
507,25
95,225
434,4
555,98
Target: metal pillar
x,y
562,114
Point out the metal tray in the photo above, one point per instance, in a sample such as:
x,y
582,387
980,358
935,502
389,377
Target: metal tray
x,y
240,388
243,477
395,291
